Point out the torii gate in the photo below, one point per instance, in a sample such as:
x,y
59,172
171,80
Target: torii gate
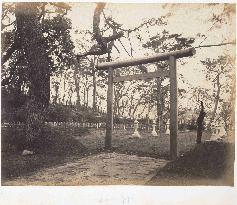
x,y
172,74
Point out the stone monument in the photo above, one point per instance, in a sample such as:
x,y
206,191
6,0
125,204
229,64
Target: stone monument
x,y
167,127
154,133
136,133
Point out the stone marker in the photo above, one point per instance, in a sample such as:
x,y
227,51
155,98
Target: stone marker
x,y
214,134
136,133
222,131
167,128
27,152
217,132
154,133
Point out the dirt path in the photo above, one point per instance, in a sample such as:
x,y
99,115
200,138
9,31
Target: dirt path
x,y
104,168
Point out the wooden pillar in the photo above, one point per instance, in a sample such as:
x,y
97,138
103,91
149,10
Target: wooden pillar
x,y
109,123
173,107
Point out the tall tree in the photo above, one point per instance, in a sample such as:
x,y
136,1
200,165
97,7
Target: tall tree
x,y
37,46
218,72
32,42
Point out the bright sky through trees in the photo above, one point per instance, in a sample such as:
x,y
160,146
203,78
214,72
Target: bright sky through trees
x,y
190,20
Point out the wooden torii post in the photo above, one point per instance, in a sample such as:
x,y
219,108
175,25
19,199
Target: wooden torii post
x,y
172,73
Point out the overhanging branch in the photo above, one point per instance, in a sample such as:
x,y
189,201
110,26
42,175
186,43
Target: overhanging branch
x,y
102,42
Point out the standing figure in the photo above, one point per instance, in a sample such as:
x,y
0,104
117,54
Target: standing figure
x,y
200,119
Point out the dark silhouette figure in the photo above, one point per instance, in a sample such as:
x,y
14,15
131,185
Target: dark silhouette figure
x,y
200,124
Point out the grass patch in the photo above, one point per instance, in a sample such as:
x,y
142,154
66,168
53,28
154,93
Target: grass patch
x,y
150,146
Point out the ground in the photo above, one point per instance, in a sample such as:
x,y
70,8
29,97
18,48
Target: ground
x,y
103,168
130,161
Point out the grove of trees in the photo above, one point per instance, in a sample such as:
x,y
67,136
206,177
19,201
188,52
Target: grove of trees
x,y
50,67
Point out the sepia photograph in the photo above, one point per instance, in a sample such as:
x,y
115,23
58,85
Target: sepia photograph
x,y
117,94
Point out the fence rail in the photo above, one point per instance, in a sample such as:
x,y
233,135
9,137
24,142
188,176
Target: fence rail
x,y
117,126
98,125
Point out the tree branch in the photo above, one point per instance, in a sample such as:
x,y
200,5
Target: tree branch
x,y
124,47
113,37
93,52
220,44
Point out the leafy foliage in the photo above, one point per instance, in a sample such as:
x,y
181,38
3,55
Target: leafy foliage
x,y
56,33
166,42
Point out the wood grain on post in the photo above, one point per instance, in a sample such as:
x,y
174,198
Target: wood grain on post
x,y
148,59
109,124
173,107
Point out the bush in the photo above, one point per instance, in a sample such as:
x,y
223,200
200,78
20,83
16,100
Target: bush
x,y
58,113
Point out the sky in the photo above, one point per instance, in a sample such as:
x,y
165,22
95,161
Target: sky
x,y
186,19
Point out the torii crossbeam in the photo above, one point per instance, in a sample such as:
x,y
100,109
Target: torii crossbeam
x,y
171,57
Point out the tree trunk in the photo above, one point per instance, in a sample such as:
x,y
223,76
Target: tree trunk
x,y
124,104
77,84
84,96
130,106
159,105
87,96
217,98
94,91
31,36
64,90
136,106
56,96
147,116
94,87
70,96
116,101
